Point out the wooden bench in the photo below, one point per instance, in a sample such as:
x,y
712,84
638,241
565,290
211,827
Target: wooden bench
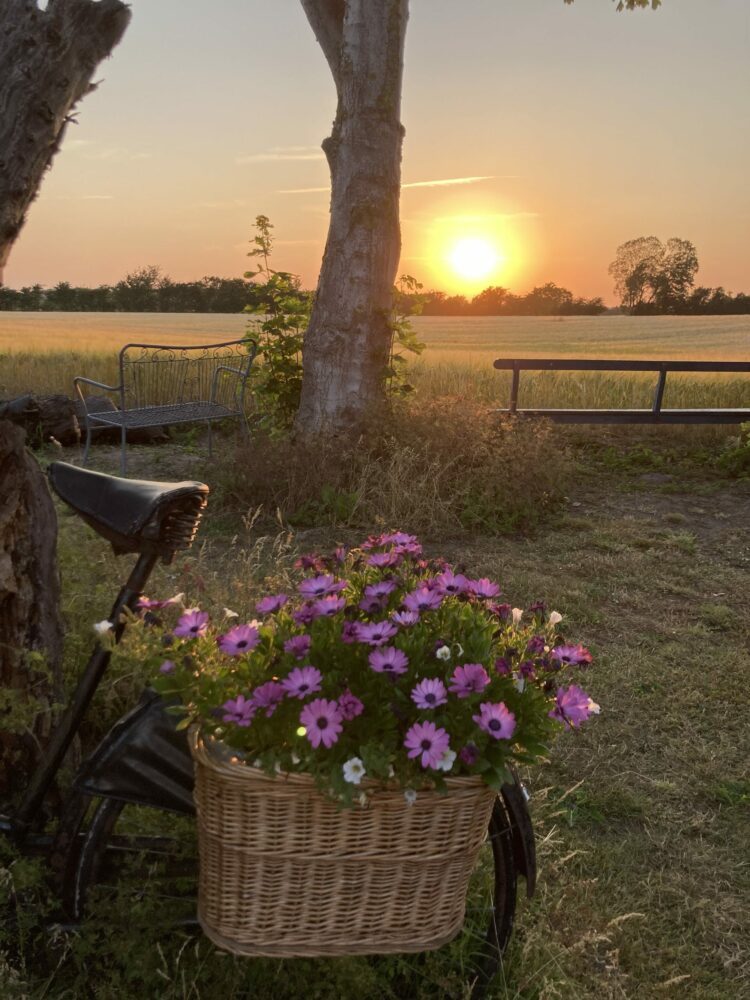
x,y
163,385
654,415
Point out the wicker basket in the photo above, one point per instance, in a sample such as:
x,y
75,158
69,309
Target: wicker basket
x,y
283,872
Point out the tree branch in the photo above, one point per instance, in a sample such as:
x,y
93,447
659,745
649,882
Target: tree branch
x,y
326,19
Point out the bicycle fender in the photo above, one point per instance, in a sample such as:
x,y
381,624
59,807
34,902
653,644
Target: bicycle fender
x,y
522,831
143,759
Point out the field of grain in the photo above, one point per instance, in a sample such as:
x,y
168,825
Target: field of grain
x,y
42,352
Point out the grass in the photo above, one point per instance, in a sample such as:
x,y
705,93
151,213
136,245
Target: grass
x,y
641,818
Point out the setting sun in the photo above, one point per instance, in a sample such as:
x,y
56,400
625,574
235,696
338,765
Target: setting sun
x,y
473,258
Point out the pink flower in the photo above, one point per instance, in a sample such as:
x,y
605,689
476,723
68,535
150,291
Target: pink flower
x,y
192,624
328,606
469,679
145,604
298,646
426,741
398,538
496,720
239,710
302,681
571,655
167,667
375,633
318,586
484,588
447,583
350,706
381,589
573,706
322,721
267,605
383,559
268,696
388,660
238,640
423,599
429,693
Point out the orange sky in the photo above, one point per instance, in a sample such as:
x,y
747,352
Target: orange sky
x,y
555,132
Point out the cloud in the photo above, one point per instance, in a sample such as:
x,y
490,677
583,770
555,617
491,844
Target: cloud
x,y
443,182
282,153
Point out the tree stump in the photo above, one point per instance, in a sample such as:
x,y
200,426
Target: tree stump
x,y
30,622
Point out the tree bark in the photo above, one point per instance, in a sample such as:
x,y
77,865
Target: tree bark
x,y
47,60
30,622
347,344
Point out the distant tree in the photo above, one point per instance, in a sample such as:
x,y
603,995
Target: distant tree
x,y
491,301
139,290
654,277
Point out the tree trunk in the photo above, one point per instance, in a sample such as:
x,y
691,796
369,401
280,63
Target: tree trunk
x,y
47,59
30,623
347,344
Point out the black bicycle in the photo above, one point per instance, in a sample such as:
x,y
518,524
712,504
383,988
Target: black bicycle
x,y
144,760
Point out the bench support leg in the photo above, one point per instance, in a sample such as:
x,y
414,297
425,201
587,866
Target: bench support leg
x,y
123,458
88,443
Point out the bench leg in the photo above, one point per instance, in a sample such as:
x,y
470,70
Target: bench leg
x,y
123,459
88,443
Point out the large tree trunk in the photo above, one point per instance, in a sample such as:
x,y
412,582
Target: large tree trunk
x,y
30,623
348,340
47,59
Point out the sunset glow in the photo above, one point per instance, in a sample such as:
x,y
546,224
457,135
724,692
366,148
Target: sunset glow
x,y
473,258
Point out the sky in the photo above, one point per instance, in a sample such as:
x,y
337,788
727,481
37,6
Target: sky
x,y
550,133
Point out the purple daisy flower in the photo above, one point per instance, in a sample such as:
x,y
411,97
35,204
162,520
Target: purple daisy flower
x,y
383,559
573,706
537,608
381,589
268,696
450,584
339,554
298,646
349,632
405,618
503,665
496,720
317,586
411,549
192,624
350,706
535,645
469,754
484,588
146,604
398,538
309,562
426,741
322,721
328,606
570,655
239,710
388,660
238,640
527,670
429,693
469,679
267,605
374,633
501,611
167,667
304,615
373,605
302,681
423,599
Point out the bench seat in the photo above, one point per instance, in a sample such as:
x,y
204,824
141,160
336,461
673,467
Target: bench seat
x,y
157,416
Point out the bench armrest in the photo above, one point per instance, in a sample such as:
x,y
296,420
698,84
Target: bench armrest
x,y
243,375
97,385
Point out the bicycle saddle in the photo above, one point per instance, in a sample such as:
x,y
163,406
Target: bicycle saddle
x,y
134,515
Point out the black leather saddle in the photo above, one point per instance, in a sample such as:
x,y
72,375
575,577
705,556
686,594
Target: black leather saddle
x,y
134,515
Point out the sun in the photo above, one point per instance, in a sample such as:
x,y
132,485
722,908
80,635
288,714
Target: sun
x,y
473,258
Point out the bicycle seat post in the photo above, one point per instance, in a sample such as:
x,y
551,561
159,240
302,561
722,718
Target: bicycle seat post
x,y
152,519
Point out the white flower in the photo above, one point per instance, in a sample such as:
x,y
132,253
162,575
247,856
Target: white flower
x,y
354,770
362,799
411,796
295,759
459,649
517,615
520,684
555,618
230,614
446,761
443,653
177,599
101,628
593,707
391,772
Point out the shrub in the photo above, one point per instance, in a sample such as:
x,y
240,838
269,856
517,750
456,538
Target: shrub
x,y
432,467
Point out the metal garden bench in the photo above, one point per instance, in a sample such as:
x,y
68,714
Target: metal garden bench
x,y
654,415
162,385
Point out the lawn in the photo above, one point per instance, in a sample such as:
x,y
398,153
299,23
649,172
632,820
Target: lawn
x,y
641,818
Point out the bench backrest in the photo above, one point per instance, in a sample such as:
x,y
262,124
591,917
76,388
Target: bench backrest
x,y
156,374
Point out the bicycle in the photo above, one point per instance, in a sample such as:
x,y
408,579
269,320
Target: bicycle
x,y
144,760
